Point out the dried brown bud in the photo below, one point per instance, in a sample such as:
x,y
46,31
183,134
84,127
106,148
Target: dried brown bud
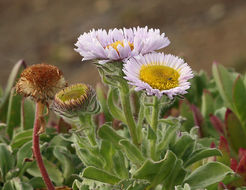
x,y
41,82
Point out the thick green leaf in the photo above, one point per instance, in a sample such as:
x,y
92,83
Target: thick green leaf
x,y
76,185
225,150
11,82
9,185
151,134
6,160
99,175
108,133
16,184
207,175
198,84
114,110
132,152
3,125
186,187
120,165
186,112
201,154
137,186
21,138
176,176
147,114
64,157
54,173
14,110
168,136
234,131
220,113
24,152
156,172
101,96
239,92
207,104
105,78
169,121
89,158
184,145
37,182
224,82
79,186
229,179
206,141
132,184
107,151
27,114
60,140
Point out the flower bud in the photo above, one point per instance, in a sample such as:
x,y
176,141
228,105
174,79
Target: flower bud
x,y
41,82
74,101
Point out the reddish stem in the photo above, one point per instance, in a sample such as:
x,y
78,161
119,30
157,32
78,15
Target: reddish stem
x,y
36,149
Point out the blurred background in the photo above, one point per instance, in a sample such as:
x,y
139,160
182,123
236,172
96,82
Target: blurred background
x,y
45,31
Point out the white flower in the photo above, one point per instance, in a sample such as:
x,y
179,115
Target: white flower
x,y
119,44
158,74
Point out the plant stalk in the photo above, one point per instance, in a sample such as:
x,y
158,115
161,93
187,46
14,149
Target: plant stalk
x,y
154,124
155,114
92,131
36,148
125,103
87,120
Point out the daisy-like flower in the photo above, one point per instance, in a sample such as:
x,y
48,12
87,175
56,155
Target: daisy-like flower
x,y
119,44
158,74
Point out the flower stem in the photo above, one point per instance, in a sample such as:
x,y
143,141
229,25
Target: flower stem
x,y
125,102
154,124
36,148
140,123
92,131
155,113
87,121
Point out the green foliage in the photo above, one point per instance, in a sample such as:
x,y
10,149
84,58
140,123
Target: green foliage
x,y
202,177
174,158
206,107
5,97
135,148
6,162
100,175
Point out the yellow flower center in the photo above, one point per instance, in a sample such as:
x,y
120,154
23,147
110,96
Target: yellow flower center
x,y
115,45
73,92
159,76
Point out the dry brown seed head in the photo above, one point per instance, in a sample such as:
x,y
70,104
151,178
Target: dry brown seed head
x,y
41,82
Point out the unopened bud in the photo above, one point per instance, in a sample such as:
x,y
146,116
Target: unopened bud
x,y
75,101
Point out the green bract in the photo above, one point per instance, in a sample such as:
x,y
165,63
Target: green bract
x,y
75,101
